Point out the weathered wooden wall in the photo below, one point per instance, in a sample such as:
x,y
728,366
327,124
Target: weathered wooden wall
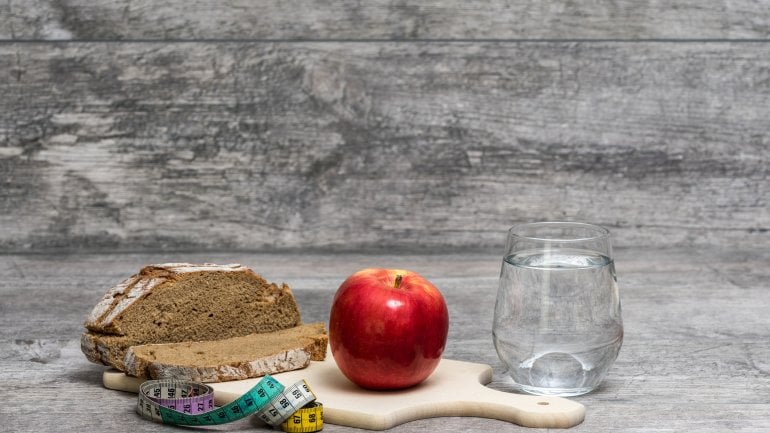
x,y
383,19
347,125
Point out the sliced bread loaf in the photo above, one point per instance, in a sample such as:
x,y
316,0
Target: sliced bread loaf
x,y
176,302
232,358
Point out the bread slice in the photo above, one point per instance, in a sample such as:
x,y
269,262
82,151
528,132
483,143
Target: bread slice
x,y
176,302
232,358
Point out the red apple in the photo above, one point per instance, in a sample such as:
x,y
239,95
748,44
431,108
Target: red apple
x,y
387,328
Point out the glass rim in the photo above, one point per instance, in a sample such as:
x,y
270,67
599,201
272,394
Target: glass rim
x,y
601,232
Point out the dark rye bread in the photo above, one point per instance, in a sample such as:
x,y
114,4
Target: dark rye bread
x,y
234,358
177,302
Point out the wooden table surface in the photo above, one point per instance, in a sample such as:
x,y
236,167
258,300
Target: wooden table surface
x,y
696,355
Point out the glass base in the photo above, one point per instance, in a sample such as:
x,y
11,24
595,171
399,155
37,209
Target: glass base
x,y
556,392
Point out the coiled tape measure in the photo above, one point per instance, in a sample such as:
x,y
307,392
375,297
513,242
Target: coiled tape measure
x,y
170,401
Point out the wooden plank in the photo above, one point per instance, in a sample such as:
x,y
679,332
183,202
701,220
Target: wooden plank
x,y
381,19
418,146
695,353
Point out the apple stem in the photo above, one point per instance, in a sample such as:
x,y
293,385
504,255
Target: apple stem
x,y
399,277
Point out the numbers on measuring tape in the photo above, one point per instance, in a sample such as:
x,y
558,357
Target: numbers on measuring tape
x,y
306,420
188,403
282,408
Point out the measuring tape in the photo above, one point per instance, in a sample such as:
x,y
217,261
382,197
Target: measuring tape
x,y
189,403
306,420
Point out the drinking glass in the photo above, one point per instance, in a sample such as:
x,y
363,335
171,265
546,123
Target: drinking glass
x,y
557,323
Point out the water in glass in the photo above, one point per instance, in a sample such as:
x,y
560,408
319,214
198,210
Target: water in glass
x,y
557,324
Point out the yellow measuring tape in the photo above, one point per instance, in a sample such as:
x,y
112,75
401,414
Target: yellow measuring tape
x,y
306,420
294,409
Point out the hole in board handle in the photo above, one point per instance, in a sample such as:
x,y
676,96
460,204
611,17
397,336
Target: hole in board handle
x,y
543,403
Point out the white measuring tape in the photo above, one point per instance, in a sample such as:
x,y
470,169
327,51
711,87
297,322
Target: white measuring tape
x,y
189,403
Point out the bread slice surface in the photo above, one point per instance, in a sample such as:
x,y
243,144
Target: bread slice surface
x,y
234,358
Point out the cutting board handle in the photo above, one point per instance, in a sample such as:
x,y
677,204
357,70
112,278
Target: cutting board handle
x,y
524,410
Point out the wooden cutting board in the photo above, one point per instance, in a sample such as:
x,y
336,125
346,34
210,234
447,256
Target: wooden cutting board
x,y
455,388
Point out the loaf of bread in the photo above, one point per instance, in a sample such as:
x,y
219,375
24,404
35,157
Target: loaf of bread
x,y
177,302
232,358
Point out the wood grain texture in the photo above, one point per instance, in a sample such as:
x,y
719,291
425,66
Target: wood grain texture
x,y
381,19
694,358
347,146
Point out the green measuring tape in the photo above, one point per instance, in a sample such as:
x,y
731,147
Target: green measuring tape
x,y
189,403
